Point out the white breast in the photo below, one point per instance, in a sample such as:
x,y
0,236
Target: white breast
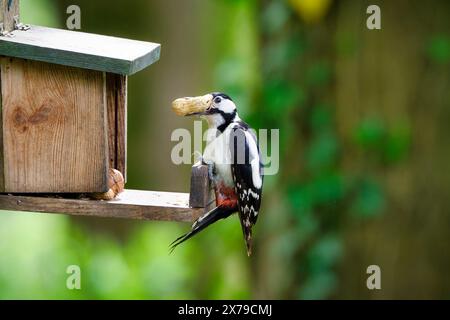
x,y
218,152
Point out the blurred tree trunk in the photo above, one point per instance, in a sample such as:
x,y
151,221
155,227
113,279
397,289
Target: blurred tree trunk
x,y
390,76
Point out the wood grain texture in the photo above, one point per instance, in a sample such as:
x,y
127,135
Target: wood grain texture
x,y
111,114
81,50
2,162
122,121
116,97
54,128
8,10
200,193
131,204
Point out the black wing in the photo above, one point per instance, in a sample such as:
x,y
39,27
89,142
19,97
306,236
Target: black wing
x,y
245,153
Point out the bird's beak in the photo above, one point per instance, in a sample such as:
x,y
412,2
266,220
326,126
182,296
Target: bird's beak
x,y
191,106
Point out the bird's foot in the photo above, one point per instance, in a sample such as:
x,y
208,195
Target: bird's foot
x,y
198,157
211,168
210,171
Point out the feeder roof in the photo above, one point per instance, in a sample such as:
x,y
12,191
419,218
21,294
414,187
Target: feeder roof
x,y
81,50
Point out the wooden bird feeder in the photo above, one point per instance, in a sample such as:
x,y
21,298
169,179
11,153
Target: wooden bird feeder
x,y
63,123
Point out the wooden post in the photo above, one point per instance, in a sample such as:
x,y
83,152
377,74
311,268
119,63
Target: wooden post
x,y
9,14
200,196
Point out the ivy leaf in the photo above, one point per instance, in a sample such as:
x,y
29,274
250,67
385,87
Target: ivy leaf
x,y
370,133
321,118
318,286
301,199
319,74
438,49
281,96
327,188
279,54
325,253
322,152
370,200
275,17
397,144
321,259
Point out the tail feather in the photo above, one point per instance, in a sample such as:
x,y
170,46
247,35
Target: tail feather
x,y
247,231
248,241
201,223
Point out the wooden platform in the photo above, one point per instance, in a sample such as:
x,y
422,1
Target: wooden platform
x,y
132,204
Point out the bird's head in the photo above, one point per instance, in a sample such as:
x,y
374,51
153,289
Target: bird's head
x,y
217,108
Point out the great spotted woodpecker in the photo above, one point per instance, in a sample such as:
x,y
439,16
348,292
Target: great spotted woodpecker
x,y
233,159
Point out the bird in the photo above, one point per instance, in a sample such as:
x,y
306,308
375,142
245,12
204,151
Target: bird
x,y
234,163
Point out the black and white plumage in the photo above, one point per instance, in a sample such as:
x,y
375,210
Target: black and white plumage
x,y
233,158
248,183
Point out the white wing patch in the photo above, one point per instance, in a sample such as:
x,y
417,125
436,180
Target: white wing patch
x,y
254,155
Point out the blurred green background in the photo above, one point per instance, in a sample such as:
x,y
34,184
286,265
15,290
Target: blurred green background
x,y
363,118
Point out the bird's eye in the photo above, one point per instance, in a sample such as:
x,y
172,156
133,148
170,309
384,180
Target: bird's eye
x,y
217,100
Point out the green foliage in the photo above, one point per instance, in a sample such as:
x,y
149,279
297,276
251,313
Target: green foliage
x,y
318,74
398,143
276,55
321,193
320,260
39,12
238,59
274,17
280,97
438,49
322,152
321,119
369,200
318,286
370,133
36,250
386,145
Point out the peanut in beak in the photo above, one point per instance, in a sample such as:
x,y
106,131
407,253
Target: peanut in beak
x,y
191,105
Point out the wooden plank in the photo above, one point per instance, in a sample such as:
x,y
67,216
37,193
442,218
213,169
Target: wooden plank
x,y
132,204
8,10
81,50
54,128
200,193
116,93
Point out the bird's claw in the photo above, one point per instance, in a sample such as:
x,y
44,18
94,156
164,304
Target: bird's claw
x,y
198,157
210,171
